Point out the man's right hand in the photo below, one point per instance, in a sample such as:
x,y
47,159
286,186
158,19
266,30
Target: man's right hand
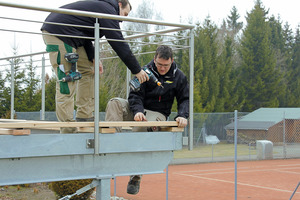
x,y
139,117
142,76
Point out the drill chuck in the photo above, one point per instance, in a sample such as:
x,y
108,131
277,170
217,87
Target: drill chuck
x,y
74,76
135,85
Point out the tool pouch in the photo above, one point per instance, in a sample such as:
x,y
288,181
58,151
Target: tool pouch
x,y
54,52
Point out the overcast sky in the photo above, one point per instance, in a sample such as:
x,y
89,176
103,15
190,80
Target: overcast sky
x,y
171,11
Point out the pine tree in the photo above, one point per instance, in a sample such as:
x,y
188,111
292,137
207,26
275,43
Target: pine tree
x,y
294,78
229,62
206,72
259,75
2,97
19,83
50,90
234,26
31,85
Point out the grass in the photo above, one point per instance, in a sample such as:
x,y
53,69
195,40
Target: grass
x,y
38,191
219,150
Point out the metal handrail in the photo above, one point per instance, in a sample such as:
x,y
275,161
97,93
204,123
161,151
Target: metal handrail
x,y
95,15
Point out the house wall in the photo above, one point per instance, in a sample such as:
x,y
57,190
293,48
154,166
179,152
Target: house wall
x,y
273,134
246,136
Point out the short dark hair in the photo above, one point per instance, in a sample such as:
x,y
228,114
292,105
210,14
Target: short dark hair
x,y
125,3
164,52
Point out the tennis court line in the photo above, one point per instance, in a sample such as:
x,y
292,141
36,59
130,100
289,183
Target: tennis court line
x,y
258,168
231,170
243,184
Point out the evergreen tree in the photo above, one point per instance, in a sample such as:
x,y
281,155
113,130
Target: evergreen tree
x,y
229,61
3,108
259,75
234,26
281,55
294,78
50,90
19,83
289,71
31,86
206,78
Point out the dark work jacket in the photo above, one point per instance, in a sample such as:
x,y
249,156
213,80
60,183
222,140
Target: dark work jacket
x,y
155,98
98,6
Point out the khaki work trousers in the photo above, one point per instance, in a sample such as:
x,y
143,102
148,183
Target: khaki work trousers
x,y
117,109
65,92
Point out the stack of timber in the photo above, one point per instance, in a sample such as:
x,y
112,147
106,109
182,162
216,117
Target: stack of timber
x,y
23,127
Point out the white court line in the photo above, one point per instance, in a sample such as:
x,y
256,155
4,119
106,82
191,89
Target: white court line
x,y
224,169
207,170
288,172
288,165
239,171
243,184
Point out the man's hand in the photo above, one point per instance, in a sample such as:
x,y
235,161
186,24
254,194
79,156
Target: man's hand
x,y
182,122
139,117
100,67
142,76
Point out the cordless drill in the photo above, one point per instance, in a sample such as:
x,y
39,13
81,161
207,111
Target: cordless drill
x,y
72,75
135,85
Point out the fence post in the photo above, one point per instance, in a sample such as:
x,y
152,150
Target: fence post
x,y
235,154
283,140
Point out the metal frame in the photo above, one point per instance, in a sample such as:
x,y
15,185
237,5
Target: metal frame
x,y
178,26
67,157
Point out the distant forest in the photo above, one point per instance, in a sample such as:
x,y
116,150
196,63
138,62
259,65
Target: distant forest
x,y
236,66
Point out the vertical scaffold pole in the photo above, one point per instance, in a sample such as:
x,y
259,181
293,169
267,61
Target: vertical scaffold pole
x,y
12,95
103,189
191,120
96,112
43,88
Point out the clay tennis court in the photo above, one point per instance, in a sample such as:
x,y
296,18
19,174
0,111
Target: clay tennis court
x,y
259,180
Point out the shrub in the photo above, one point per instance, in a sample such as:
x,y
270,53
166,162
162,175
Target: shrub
x,y
64,188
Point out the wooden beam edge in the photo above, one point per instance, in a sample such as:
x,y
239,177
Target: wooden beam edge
x,y
49,124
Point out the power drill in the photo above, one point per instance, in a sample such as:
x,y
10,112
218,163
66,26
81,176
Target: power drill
x,y
72,75
135,85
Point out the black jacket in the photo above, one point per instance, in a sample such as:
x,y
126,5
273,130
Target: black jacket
x,y
155,98
98,6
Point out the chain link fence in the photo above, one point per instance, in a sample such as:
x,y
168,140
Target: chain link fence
x,y
213,138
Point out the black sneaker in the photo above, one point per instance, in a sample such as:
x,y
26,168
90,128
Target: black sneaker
x,y
133,186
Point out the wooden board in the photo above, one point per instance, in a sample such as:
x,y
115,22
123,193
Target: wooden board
x,y
172,129
91,130
50,124
4,131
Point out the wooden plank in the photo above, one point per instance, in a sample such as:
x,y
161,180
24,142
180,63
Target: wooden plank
x,y
4,131
48,124
172,129
91,130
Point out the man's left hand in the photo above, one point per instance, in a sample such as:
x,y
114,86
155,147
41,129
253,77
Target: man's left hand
x,y
182,122
100,67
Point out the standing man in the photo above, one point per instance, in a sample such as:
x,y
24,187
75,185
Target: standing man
x,y
58,46
153,103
